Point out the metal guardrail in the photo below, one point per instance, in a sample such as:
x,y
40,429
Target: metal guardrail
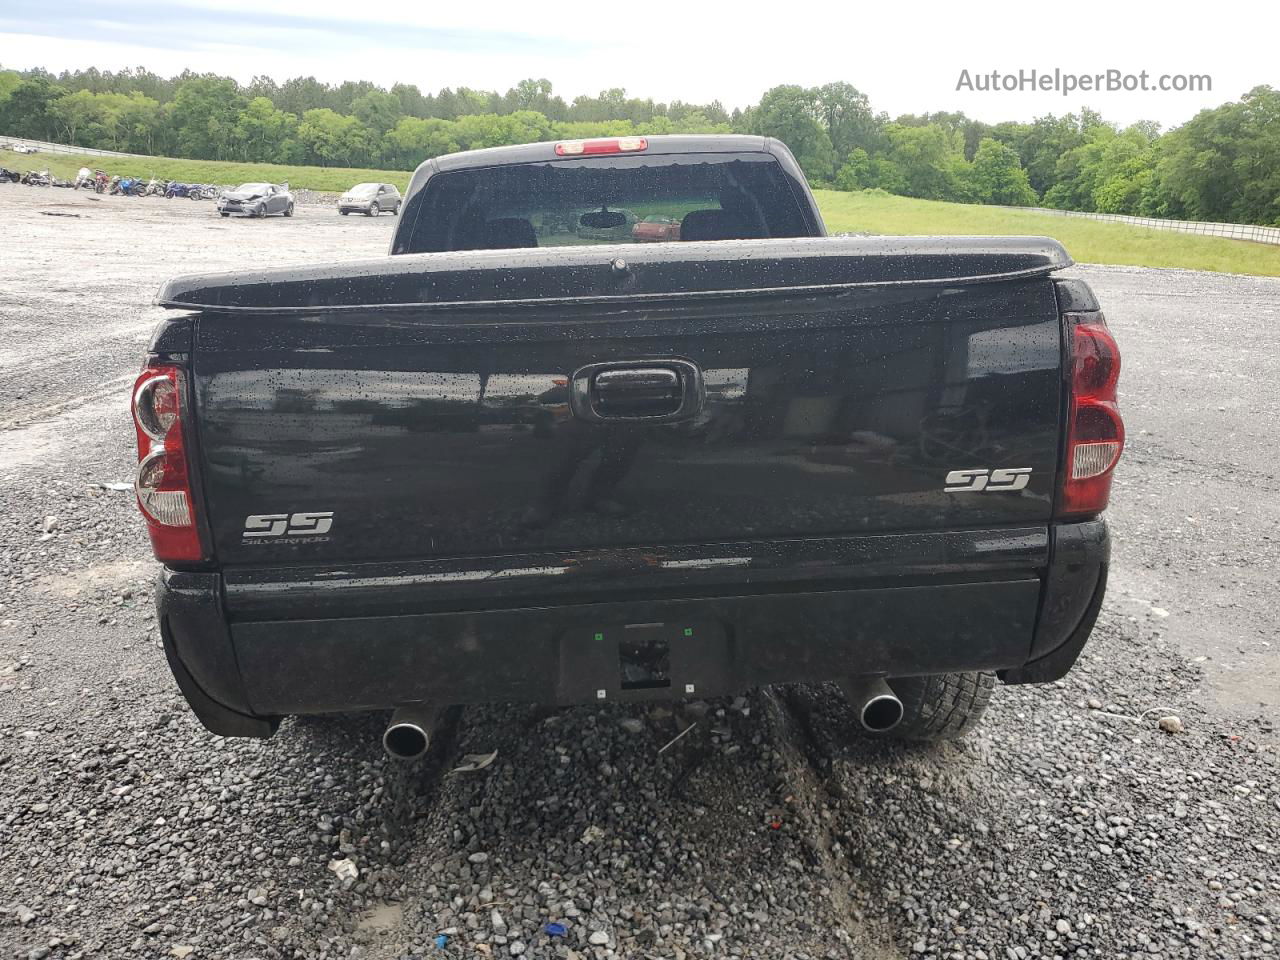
x,y
1233,231
8,143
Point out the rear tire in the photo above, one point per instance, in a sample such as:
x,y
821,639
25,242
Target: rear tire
x,y
288,211
344,212
224,214
941,707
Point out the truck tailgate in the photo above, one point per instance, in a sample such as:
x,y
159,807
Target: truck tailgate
x,y
425,408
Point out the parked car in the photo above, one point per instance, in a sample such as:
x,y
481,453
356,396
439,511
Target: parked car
x,y
370,199
25,148
256,200
656,229
595,473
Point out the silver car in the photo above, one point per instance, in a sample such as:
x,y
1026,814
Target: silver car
x,y
370,199
257,200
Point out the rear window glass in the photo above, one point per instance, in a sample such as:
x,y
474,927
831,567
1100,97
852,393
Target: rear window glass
x,y
607,200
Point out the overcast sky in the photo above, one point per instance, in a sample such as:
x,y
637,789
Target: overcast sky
x,y
907,56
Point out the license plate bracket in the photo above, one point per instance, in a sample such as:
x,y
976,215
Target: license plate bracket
x,y
645,661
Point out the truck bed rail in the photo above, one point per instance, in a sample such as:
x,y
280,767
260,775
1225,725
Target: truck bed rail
x,y
624,273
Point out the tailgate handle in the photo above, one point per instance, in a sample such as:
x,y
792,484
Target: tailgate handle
x,y
649,391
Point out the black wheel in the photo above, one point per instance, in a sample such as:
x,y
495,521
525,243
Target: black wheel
x,y
344,212
395,211
941,707
220,213
374,209
288,211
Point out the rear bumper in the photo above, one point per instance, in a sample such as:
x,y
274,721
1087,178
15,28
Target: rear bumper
x,y
249,646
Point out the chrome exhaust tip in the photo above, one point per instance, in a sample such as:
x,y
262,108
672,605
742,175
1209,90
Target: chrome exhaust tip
x,y
408,735
878,707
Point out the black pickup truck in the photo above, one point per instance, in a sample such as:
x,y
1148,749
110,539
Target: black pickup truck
x,y
530,457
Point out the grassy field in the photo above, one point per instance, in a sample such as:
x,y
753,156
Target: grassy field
x,y
1088,241
329,179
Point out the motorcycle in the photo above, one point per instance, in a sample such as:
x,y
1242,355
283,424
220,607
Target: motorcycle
x,y
203,191
176,189
156,188
129,187
9,176
37,178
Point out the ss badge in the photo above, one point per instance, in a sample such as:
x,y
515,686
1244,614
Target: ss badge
x,y
308,523
989,481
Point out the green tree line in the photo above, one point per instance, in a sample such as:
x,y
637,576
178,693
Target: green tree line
x,y
1224,164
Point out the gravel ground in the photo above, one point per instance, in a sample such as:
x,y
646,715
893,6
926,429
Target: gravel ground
x,y
1069,825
